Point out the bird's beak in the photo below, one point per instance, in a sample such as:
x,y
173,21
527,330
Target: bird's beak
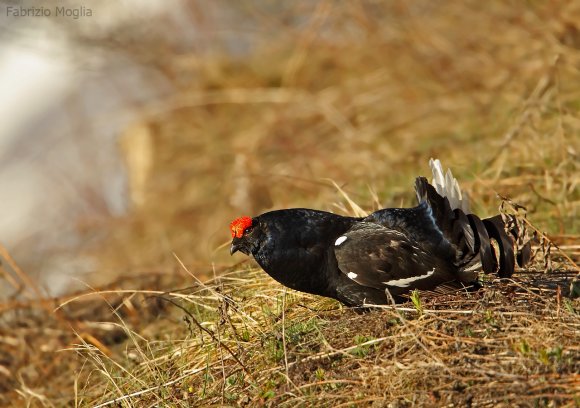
x,y
234,248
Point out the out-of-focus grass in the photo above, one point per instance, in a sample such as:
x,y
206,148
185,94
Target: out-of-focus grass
x,y
363,93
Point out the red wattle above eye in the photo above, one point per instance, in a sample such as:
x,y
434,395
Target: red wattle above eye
x,y
239,225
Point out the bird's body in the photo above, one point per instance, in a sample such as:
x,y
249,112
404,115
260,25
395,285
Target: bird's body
x,y
356,260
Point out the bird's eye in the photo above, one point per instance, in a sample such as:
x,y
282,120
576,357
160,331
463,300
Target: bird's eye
x,y
249,229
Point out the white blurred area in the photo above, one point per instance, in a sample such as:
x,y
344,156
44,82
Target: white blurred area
x,y
64,103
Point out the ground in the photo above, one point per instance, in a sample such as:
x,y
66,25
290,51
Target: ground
x,y
243,340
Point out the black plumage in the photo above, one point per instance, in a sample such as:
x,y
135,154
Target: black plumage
x,y
356,260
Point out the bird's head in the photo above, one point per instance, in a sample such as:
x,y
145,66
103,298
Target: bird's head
x,y
245,235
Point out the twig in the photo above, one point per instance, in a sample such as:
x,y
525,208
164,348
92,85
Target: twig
x,y
30,284
211,334
343,351
138,393
435,311
552,242
358,212
284,333
419,342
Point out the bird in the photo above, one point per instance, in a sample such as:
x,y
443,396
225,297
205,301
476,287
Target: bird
x,y
381,258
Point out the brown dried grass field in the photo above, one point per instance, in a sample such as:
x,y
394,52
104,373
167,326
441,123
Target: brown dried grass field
x,y
361,94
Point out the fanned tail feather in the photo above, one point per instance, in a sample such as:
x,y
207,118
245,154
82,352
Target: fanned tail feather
x,y
447,186
492,244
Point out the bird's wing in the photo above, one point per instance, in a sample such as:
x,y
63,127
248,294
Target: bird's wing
x,y
379,257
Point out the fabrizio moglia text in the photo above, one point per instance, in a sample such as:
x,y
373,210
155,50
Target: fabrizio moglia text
x,y
69,12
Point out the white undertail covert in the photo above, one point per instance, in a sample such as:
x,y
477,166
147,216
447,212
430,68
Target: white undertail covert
x,y
447,186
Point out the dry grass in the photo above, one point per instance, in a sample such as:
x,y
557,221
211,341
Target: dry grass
x,y
242,340
364,94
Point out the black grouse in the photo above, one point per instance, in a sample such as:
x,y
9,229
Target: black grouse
x,y
357,260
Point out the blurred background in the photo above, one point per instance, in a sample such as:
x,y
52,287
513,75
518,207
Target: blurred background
x,y
133,131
